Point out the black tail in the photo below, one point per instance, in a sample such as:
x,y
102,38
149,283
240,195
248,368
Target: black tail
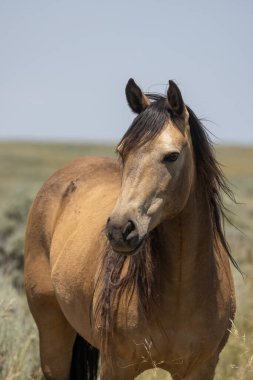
x,y
84,364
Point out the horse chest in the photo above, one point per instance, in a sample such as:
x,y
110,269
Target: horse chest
x,y
174,345
175,333
193,327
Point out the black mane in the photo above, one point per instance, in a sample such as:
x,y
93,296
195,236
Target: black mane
x,y
146,126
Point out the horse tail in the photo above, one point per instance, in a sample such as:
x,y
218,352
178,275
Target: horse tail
x,y
84,365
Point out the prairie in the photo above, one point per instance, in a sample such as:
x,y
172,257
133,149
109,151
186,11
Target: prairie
x,y
24,167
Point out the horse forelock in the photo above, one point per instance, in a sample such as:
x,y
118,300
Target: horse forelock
x,y
146,126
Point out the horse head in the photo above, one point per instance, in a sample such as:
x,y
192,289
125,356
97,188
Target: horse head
x,y
157,167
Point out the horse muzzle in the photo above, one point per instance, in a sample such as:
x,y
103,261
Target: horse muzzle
x,y
123,236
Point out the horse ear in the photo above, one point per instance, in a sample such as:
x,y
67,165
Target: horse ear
x,y
176,103
137,101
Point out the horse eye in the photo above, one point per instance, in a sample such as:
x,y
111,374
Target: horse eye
x,y
171,157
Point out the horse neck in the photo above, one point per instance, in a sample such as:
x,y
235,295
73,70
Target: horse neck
x,y
186,242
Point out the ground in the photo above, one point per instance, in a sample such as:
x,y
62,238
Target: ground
x,y
23,169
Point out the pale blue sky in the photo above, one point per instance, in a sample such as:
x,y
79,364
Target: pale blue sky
x,y
64,64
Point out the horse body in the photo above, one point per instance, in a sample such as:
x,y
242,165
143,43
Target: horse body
x,y
188,324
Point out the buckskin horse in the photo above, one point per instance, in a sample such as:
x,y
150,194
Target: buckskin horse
x,y
126,260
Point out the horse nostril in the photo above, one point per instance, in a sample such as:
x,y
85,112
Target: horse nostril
x,y
108,230
130,227
109,236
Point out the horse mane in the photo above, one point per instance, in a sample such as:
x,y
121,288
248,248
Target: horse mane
x,y
140,274
212,180
141,269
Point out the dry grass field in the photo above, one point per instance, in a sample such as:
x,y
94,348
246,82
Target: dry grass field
x,y
23,168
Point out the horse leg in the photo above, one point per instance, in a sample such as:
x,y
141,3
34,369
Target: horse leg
x,y
119,374
56,336
56,344
204,371
115,372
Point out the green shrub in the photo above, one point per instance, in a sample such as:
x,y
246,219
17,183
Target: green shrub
x,y
12,229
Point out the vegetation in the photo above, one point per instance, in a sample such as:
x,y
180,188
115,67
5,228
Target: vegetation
x,y
23,169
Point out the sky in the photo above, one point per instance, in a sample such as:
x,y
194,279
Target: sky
x,y
64,65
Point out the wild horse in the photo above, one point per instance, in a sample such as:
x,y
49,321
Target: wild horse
x,y
127,258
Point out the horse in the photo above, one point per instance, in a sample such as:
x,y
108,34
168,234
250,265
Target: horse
x,y
126,262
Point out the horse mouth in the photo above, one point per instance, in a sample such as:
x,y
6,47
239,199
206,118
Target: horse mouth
x,y
132,252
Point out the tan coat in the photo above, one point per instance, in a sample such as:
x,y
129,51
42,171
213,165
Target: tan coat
x,y
65,247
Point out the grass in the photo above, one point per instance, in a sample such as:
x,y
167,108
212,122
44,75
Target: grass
x,y
23,169
19,356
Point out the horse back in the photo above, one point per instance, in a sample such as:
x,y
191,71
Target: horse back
x,y
86,173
